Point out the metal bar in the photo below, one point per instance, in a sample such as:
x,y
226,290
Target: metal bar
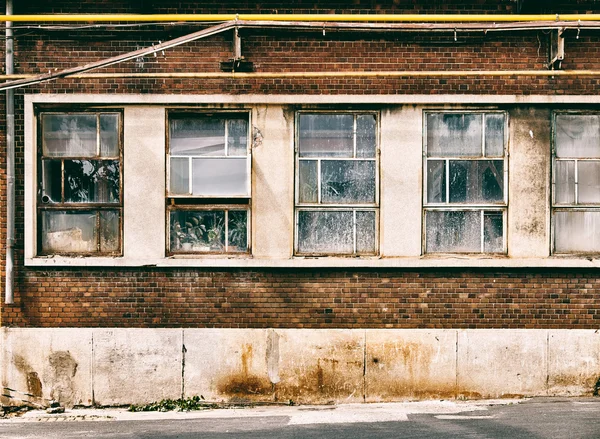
x,y
10,165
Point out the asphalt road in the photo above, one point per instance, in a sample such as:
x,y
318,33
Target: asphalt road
x,y
532,419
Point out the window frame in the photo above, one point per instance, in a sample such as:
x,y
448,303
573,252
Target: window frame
x,y
483,207
97,207
339,207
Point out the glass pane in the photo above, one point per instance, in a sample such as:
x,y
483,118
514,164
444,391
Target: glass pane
x,y
110,227
493,232
325,232
51,181
109,135
577,231
436,181
564,178
577,135
476,181
454,134
197,231
237,140
307,176
326,135
455,231
179,176
197,135
588,182
69,232
69,135
347,181
365,232
220,177
92,181
366,140
237,226
494,135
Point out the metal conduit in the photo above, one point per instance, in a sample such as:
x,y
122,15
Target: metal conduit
x,y
10,165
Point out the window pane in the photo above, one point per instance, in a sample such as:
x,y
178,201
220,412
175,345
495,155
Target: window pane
x,y
68,232
564,178
325,232
493,232
347,181
365,232
179,176
454,135
220,177
366,140
307,178
51,181
577,135
69,135
577,231
197,135
197,231
589,182
237,231
326,135
92,181
476,181
494,135
436,181
109,135
237,140
109,231
455,231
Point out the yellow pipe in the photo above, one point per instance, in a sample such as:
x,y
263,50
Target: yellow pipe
x,y
449,18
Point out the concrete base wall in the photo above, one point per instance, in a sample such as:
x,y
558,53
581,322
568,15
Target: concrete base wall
x,y
125,366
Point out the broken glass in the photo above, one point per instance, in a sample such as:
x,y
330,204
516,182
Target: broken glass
x,y
109,231
493,232
237,231
326,232
564,182
69,135
51,181
348,181
326,135
453,231
92,181
197,231
577,231
588,186
476,181
220,176
237,137
68,232
454,135
577,135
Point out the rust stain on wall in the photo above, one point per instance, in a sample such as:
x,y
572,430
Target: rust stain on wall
x,y
244,383
34,384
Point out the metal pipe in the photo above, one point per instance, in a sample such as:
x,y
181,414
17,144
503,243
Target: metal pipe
x,y
10,165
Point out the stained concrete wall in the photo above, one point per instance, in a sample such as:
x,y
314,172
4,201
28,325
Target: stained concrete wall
x,y
123,366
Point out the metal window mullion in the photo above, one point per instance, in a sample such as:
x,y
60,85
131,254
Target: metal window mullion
x,y
318,181
98,135
226,137
354,231
354,134
62,181
98,231
483,134
447,181
226,211
190,186
576,181
482,244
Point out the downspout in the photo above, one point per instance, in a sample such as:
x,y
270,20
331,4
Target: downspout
x,y
10,164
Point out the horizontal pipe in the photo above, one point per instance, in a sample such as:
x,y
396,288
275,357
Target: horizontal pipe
x,y
440,18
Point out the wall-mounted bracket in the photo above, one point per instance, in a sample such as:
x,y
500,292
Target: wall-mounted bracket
x,y
237,63
557,48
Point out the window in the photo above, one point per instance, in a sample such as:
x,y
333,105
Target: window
x,y
465,182
208,183
336,184
80,183
576,183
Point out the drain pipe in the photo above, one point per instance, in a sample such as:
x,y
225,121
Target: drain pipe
x,y
10,164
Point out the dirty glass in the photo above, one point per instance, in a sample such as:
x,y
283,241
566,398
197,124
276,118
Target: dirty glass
x,y
564,182
308,181
197,231
237,230
348,181
179,177
365,232
577,231
454,135
493,232
453,231
436,181
92,181
68,232
476,181
51,181
237,137
366,140
494,135
326,135
588,185
197,135
109,231
69,135
109,135
326,232
577,135
220,176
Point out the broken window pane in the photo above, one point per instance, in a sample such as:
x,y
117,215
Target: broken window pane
x,y
92,181
577,135
237,137
326,232
365,232
493,232
69,232
454,134
476,181
110,226
436,181
220,177
577,231
109,135
197,135
494,135
197,231
326,135
179,176
237,229
51,181
588,186
366,136
69,135
308,181
453,231
564,182
348,181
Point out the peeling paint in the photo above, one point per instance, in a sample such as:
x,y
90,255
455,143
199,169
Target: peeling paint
x,y
62,370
